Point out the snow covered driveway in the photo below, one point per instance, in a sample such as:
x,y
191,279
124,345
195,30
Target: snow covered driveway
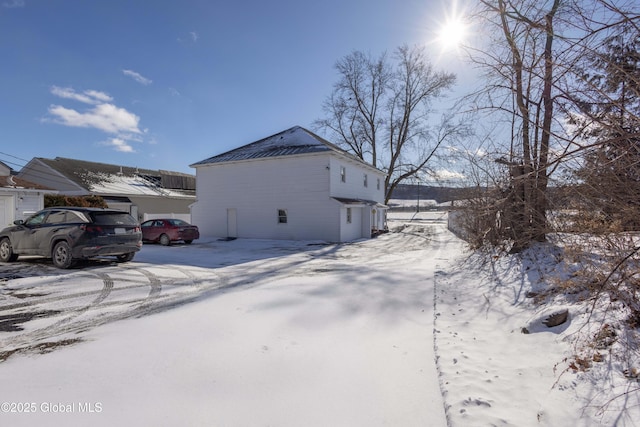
x,y
239,333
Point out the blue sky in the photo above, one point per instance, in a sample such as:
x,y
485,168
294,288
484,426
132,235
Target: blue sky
x,y
164,84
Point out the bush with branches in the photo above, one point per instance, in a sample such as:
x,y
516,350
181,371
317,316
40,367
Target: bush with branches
x,y
52,200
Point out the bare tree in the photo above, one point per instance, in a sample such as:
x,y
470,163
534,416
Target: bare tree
x,y
564,76
521,67
380,111
534,67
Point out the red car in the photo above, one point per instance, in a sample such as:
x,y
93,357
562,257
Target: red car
x,y
169,230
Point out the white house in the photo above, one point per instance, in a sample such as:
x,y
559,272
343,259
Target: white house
x,y
18,198
293,185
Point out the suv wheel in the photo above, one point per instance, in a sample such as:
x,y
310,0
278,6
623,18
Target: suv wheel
x,y
61,256
125,257
6,251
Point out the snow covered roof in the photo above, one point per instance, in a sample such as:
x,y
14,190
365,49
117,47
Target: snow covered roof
x,y
293,141
102,178
130,185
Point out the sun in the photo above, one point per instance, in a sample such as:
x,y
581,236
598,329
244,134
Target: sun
x,y
452,33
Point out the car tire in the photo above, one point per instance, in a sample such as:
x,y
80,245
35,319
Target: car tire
x,y
165,240
61,255
6,251
125,257
188,242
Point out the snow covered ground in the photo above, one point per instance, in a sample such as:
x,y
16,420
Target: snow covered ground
x,y
408,329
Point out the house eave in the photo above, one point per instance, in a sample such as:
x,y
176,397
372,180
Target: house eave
x,y
27,190
360,203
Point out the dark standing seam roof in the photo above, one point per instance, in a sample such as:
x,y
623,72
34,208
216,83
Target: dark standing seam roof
x,y
76,171
296,140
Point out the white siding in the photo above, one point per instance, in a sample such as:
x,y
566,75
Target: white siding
x,y
184,217
365,218
28,203
353,230
257,189
19,204
354,185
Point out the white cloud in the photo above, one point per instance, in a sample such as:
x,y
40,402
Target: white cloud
x,y
87,97
444,175
137,77
98,96
106,117
119,144
14,4
101,114
192,38
174,92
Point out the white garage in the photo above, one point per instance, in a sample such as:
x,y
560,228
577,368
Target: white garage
x,y
18,198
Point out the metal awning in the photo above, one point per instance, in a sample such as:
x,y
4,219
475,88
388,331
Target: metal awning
x,y
360,202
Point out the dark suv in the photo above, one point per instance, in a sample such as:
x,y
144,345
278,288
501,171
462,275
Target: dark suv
x,y
66,234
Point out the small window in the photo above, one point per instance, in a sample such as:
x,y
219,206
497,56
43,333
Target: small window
x,y
378,184
348,215
343,174
366,180
56,217
282,216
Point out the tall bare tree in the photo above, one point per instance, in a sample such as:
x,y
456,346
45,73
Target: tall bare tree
x,y
380,109
533,57
522,68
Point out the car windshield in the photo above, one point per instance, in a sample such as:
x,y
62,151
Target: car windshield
x,y
113,218
36,219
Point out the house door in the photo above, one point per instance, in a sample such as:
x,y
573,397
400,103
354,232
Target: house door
x,y
374,220
232,223
5,211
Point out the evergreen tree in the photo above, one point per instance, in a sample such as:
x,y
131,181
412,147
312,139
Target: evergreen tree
x,y
611,171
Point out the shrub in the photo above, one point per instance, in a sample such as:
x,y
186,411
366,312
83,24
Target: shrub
x,y
52,200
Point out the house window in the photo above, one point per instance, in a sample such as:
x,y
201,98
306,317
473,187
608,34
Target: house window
x,y
366,180
282,216
348,215
343,174
378,184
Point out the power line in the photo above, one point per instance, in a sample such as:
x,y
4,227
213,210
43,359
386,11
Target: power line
x,y
54,178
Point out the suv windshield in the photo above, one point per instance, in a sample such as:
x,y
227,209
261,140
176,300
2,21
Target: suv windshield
x,y
36,219
113,218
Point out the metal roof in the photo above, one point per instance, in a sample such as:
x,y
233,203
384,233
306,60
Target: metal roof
x,y
351,201
88,174
293,141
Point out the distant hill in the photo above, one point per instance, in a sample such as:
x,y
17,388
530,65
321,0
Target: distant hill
x,y
426,192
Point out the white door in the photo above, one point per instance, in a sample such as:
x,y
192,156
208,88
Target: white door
x,y
6,205
232,223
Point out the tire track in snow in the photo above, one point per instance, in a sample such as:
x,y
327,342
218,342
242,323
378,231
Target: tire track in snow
x,y
155,285
71,322
59,327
